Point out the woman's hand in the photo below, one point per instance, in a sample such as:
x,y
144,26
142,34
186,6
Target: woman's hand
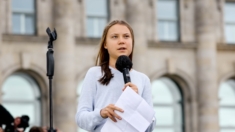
x,y
108,111
132,86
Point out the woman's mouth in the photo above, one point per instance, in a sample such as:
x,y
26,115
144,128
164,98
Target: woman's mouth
x,y
122,48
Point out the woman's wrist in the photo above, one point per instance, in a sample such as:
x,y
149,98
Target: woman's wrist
x,y
101,113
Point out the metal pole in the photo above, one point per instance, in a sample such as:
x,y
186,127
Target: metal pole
x,y
50,72
51,105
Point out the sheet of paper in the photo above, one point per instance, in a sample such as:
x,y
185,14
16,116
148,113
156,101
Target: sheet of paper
x,y
137,115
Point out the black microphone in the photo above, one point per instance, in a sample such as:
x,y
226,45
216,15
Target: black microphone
x,y
124,65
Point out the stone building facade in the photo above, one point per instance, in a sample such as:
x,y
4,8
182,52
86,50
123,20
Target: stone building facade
x,y
199,61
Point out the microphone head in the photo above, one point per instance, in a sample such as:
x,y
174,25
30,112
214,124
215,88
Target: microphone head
x,y
123,62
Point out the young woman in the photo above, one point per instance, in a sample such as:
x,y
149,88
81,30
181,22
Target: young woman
x,y
104,84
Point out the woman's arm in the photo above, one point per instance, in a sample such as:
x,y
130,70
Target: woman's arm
x,y
88,117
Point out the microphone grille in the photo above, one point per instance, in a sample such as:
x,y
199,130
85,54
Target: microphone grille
x,y
123,62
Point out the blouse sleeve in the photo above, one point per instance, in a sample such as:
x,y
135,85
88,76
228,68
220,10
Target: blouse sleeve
x,y
147,95
87,117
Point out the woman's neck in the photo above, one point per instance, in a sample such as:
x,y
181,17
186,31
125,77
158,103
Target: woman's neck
x,y
112,62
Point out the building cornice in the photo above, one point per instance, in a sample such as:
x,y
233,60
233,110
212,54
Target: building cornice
x,y
24,38
87,41
192,45
226,47
153,44
96,41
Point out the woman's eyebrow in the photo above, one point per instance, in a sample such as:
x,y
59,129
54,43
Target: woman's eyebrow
x,y
114,34
121,34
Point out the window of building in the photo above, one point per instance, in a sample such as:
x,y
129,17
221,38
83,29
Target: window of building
x,y
229,21
96,17
167,100
167,19
23,16
227,106
21,96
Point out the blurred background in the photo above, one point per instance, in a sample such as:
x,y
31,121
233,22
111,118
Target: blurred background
x,y
185,47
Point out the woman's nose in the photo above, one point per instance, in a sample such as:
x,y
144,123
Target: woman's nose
x,y
121,40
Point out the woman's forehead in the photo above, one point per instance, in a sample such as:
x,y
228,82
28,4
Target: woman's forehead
x,y
119,29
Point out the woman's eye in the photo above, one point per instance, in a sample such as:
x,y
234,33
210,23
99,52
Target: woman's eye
x,y
127,36
114,36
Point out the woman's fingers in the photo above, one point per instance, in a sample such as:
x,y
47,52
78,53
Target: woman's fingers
x,y
113,108
132,86
128,84
117,116
114,114
116,108
111,117
109,112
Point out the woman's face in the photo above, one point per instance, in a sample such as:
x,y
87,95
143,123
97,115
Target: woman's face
x,y
17,121
118,41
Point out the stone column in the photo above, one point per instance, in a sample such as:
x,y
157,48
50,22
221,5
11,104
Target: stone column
x,y
1,26
80,18
151,23
0,50
64,76
206,66
136,15
117,9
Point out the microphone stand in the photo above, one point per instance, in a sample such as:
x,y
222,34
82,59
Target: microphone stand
x,y
50,71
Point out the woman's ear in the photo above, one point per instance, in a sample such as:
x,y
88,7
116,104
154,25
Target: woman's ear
x,y
105,46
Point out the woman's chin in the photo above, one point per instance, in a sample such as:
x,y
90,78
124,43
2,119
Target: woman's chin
x,y
123,53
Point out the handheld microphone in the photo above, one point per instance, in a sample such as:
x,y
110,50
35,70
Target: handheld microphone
x,y
124,65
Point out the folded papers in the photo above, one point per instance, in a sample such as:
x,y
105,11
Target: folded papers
x,y
137,115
